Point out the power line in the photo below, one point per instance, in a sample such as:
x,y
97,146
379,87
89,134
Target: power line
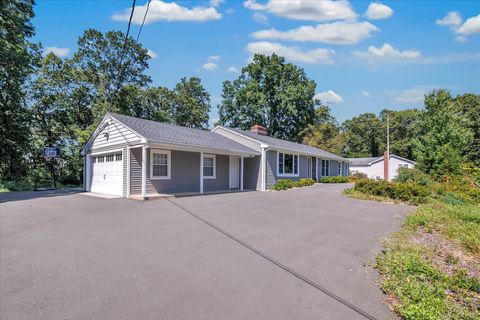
x,y
143,22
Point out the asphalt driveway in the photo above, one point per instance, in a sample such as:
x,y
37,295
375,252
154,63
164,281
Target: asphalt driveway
x,y
298,254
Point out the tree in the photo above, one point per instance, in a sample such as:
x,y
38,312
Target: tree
x,y
107,69
192,104
17,62
404,128
364,136
440,148
326,136
271,93
469,106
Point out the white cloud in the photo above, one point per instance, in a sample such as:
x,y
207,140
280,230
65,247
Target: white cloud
x,y
324,10
365,93
329,97
453,18
168,11
387,52
209,66
233,69
215,57
216,3
340,32
59,52
414,95
292,53
470,26
378,11
152,54
259,17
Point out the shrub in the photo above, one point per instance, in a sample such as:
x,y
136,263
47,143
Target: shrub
x,y
6,186
284,184
355,176
413,176
334,179
405,191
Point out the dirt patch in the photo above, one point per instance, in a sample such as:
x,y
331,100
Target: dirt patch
x,y
449,257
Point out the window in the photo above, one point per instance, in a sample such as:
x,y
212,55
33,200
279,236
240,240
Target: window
x,y
160,164
287,164
339,169
209,166
100,159
325,168
118,157
402,165
109,158
94,159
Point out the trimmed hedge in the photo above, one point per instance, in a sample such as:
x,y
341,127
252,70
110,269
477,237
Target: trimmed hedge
x,y
405,191
334,179
284,184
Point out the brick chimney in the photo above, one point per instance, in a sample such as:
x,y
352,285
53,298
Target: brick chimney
x,y
258,129
385,165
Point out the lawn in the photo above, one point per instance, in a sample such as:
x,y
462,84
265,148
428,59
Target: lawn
x,y
431,268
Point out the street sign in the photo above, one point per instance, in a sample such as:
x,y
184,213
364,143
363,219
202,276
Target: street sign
x,y
51,152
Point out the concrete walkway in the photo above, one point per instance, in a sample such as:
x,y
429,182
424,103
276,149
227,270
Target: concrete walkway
x,y
77,257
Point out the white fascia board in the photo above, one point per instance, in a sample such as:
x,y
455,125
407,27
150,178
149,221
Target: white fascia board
x,y
180,147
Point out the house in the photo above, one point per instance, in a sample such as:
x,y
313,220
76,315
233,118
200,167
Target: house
x,y
377,168
133,157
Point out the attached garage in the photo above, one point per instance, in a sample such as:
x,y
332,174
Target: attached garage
x,y
107,173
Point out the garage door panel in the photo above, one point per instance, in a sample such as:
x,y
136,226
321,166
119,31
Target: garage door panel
x,y
107,174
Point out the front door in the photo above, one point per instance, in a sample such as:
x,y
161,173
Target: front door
x,y
234,172
309,167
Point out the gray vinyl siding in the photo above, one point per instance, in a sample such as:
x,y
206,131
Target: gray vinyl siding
x,y
302,167
221,175
136,171
124,159
237,138
271,167
118,134
185,174
252,176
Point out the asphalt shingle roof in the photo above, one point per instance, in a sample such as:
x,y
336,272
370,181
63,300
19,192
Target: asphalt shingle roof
x,y
288,145
173,134
363,161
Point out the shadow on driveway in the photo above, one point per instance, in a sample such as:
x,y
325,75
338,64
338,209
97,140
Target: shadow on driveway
x,y
28,195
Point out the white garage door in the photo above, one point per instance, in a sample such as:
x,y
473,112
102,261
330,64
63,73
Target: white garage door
x,y
107,176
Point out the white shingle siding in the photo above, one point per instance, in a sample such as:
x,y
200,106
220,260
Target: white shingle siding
x,y
118,135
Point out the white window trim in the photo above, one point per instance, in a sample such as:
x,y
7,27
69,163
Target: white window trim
x,y
214,157
327,167
288,174
169,164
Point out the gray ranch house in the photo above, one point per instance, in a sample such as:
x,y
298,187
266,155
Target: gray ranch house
x,y
138,158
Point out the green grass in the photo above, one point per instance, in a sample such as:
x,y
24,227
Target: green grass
x,y
422,279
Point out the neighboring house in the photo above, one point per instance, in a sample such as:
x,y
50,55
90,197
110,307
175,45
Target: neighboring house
x,y
133,157
376,167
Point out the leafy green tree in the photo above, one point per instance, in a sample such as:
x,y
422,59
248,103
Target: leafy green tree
x,y
326,136
271,93
364,136
17,62
440,148
469,106
107,68
192,104
404,128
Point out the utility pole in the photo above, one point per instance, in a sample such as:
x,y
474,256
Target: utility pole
x,y
388,147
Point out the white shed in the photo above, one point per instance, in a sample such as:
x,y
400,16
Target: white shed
x,y
375,167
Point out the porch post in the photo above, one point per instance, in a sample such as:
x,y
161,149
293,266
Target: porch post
x,y
316,168
263,164
144,171
201,172
241,173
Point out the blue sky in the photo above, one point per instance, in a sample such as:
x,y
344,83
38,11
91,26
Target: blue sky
x,y
363,56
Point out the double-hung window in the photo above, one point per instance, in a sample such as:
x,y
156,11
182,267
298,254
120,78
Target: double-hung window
x,y
209,166
325,168
160,164
339,168
287,164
